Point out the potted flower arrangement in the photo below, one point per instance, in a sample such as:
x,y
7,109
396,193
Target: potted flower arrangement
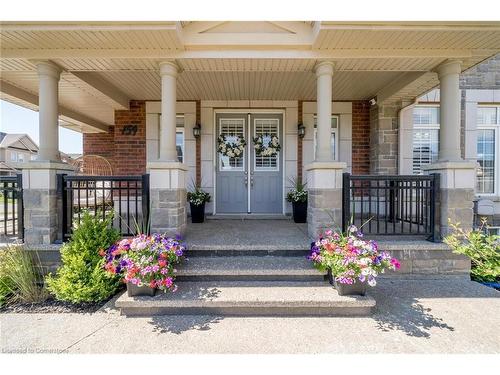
x,y
197,199
351,262
298,197
145,263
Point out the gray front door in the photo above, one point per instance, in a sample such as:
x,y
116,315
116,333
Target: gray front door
x,y
250,183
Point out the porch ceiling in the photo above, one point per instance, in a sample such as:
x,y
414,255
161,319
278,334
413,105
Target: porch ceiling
x,y
106,64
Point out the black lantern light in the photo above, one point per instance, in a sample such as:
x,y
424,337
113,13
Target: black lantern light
x,y
301,129
197,130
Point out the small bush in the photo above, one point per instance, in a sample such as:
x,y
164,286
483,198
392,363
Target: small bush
x,y
483,250
82,277
20,279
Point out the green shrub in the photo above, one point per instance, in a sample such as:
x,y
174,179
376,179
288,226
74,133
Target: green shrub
x,y
20,279
483,250
81,277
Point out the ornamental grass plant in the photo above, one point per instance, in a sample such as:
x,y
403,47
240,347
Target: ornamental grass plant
x,y
20,278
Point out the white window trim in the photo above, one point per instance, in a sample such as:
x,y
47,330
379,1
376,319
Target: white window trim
x,y
254,154
496,129
335,131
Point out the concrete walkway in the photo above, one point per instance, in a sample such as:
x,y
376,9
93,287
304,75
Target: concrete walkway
x,y
438,316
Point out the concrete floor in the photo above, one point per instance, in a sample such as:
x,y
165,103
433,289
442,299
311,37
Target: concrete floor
x,y
437,316
267,233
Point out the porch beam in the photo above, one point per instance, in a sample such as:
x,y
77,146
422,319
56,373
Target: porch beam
x,y
396,86
105,88
65,114
245,53
88,26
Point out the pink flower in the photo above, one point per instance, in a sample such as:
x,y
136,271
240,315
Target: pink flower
x,y
395,263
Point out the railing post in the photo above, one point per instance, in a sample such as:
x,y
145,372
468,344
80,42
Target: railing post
x,y
61,189
392,201
20,206
146,225
346,201
433,207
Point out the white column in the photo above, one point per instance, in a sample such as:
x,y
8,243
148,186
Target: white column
x,y
48,104
168,71
449,136
324,74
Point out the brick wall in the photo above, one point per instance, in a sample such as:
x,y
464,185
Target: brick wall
x,y
360,137
102,144
125,152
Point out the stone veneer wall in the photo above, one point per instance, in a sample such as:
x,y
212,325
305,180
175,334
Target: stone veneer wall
x,y
126,153
383,139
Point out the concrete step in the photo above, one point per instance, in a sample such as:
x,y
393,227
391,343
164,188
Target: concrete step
x,y
197,250
271,268
244,298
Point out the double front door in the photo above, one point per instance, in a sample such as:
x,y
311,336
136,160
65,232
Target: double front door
x,y
249,182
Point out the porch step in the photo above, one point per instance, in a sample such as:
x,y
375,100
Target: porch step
x,y
232,250
244,298
271,268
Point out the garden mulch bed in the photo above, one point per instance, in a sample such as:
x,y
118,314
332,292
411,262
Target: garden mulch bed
x,y
52,306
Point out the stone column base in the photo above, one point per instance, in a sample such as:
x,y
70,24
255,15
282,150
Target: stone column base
x,y
455,201
324,207
42,201
168,197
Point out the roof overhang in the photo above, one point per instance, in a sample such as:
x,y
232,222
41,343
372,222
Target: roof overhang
x,y
108,63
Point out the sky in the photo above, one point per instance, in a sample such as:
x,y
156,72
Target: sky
x,y
17,119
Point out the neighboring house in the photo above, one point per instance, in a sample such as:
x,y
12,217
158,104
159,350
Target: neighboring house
x,y
480,130
15,149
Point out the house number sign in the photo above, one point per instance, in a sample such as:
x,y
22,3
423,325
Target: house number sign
x,y
129,130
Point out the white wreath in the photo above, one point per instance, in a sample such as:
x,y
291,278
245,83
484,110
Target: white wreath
x,y
233,147
267,145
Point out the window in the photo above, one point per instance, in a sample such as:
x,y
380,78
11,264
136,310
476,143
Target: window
x,y
13,156
20,157
335,137
425,136
179,137
488,123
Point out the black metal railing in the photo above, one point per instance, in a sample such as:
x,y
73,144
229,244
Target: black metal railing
x,y
11,207
391,205
126,196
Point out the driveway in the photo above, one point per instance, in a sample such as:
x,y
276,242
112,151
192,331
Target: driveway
x,y
418,316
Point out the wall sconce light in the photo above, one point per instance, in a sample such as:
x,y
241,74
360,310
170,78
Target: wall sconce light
x,y
197,130
301,130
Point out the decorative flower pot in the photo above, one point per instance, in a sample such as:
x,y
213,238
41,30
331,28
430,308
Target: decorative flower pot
x,y
134,290
356,289
197,213
299,212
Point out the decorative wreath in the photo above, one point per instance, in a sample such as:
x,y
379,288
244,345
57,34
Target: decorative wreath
x,y
232,147
266,145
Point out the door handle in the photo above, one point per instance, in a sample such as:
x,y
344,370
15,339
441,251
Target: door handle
x,y
246,181
251,181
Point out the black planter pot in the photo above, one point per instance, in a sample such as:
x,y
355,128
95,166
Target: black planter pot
x,y
299,212
145,290
356,289
197,213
